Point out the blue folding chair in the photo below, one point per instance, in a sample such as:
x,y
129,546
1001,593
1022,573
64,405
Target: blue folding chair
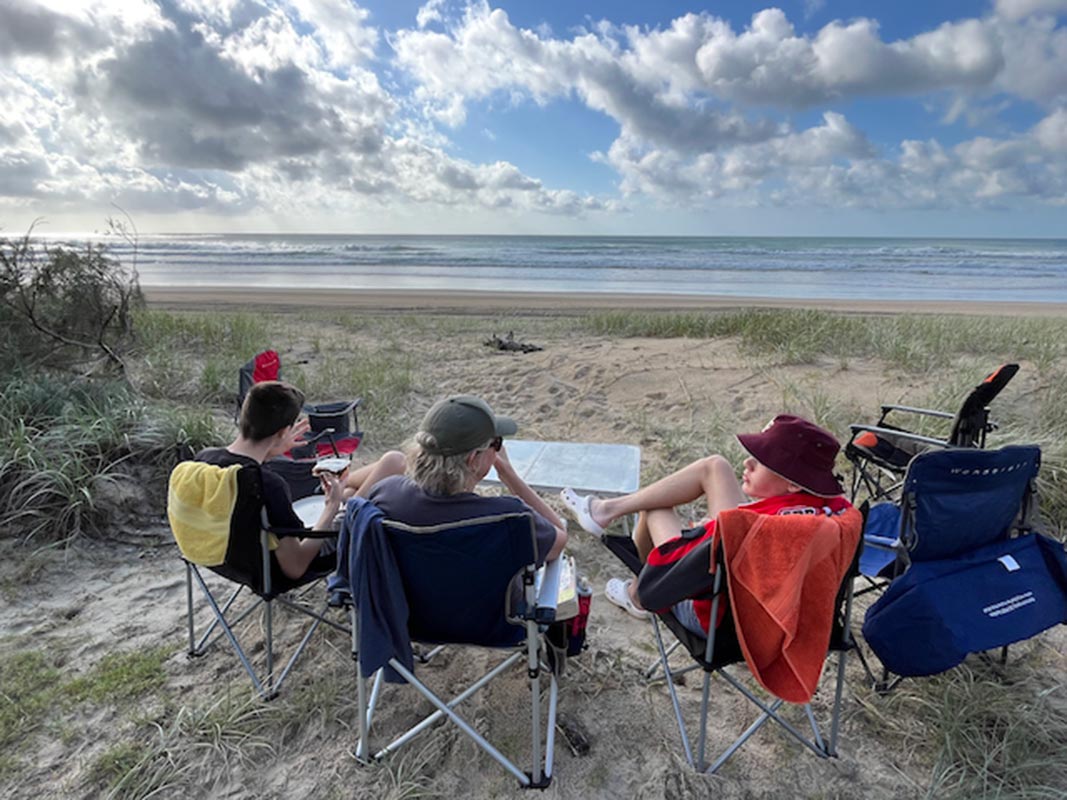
x,y
972,573
472,582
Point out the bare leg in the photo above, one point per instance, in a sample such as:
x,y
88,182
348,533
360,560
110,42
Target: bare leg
x,y
642,538
361,481
712,477
295,555
653,528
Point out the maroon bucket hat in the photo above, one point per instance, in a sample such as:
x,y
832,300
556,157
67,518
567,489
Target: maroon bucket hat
x,y
799,451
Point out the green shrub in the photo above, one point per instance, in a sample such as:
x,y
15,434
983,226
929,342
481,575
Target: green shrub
x,y
62,308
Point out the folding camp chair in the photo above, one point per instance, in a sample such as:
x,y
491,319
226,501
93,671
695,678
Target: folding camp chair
x,y
976,575
464,583
725,646
217,517
880,453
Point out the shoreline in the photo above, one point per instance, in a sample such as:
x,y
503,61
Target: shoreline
x,y
539,302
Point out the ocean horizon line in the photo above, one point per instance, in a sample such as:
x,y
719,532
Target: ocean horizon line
x,y
624,236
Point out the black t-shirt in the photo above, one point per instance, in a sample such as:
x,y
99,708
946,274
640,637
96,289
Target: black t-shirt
x,y
402,499
276,497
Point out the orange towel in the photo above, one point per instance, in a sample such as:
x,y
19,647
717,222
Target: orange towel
x,y
783,573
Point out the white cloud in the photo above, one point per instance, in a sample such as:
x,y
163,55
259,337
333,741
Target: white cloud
x,y
1017,9
429,13
222,107
341,27
276,106
1051,132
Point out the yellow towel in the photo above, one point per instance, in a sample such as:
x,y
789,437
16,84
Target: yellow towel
x,y
200,501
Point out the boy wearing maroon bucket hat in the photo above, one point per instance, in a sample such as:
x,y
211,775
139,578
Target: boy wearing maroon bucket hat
x,y
789,470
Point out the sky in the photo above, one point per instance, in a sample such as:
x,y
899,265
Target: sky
x,y
812,117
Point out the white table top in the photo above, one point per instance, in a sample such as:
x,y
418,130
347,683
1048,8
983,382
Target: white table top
x,y
309,509
610,469
607,469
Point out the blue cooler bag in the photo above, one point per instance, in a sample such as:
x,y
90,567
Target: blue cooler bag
x,y
937,612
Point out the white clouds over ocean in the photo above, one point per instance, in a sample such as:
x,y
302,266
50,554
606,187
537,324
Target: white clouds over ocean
x,y
313,114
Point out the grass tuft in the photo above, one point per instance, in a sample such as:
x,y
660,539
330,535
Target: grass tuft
x,y
29,681
984,735
915,343
119,677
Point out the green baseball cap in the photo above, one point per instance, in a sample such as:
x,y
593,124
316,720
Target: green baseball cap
x,y
461,423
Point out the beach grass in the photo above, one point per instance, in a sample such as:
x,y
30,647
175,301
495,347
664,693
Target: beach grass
x,y
69,445
982,730
802,336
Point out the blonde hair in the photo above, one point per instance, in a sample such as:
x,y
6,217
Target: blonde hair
x,y
440,475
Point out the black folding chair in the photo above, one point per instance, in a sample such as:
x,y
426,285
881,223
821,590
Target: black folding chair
x,y
722,649
231,538
880,453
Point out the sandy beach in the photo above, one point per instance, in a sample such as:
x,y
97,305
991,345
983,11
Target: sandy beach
x,y
675,398
480,302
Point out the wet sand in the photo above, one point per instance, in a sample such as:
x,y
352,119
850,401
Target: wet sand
x,y
193,297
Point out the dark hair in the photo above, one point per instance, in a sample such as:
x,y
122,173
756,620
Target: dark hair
x,y
269,406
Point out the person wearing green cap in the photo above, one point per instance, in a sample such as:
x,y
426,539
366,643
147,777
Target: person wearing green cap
x,y
459,440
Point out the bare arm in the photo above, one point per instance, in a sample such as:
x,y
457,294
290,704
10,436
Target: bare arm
x,y
517,486
334,488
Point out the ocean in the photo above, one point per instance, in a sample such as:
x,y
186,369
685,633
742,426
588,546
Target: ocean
x,y
1005,270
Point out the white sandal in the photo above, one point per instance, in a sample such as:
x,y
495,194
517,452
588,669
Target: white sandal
x,y
580,506
618,592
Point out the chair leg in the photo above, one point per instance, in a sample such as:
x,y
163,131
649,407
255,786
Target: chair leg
x,y
705,695
835,719
228,631
189,608
672,692
655,665
533,669
460,723
455,701
268,620
362,744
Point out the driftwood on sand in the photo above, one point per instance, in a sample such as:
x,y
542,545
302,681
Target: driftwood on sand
x,y
510,345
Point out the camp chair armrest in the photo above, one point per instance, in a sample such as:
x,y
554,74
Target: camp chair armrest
x,y
881,541
928,412
315,437
546,583
340,412
898,434
303,533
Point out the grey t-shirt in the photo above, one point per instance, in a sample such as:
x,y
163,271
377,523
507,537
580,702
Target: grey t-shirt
x,y
402,499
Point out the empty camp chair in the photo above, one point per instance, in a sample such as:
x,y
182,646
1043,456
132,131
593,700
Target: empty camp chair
x,y
880,453
334,425
264,366
216,515
784,646
976,575
468,583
